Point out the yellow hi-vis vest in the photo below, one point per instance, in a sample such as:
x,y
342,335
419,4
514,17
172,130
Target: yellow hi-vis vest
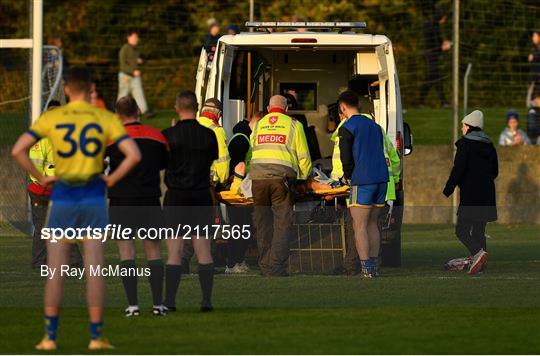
x,y
219,172
41,155
394,167
337,167
278,140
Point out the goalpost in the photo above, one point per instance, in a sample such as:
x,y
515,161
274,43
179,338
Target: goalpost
x,y
35,44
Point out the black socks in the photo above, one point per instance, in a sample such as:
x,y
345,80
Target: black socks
x,y
206,279
156,280
130,282
172,281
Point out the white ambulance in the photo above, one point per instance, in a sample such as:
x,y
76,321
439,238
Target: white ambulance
x,y
310,63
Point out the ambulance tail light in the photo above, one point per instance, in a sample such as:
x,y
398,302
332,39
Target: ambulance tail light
x,y
399,141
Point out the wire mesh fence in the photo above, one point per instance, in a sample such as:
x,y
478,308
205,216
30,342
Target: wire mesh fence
x,y
495,38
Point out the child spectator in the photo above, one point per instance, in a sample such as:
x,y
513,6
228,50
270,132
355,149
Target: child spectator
x,y
512,135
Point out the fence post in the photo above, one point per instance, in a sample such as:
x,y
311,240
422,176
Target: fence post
x,y
455,91
37,52
466,89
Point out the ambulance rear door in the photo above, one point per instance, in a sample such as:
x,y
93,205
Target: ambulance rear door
x,y
202,71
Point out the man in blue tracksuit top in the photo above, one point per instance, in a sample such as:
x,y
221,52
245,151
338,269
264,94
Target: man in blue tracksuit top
x,y
365,168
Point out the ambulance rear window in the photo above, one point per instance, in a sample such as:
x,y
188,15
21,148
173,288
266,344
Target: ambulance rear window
x,y
300,96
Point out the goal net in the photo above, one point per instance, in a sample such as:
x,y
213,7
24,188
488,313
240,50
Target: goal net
x,y
51,76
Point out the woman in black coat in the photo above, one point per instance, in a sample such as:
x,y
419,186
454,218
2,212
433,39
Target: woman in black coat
x,y
474,172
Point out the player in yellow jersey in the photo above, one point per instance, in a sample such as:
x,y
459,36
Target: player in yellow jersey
x,y
79,134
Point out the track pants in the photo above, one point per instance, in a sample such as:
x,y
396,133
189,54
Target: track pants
x,y
433,79
472,234
273,219
128,85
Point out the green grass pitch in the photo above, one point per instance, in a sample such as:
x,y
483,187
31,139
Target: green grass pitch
x,y
419,308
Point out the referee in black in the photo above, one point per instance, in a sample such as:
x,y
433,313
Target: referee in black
x,y
134,202
188,201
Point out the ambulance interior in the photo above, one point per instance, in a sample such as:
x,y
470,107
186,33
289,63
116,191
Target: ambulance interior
x,y
311,80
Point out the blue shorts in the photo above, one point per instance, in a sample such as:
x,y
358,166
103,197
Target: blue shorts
x,y
78,206
367,195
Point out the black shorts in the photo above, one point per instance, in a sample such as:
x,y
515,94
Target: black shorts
x,y
189,208
136,213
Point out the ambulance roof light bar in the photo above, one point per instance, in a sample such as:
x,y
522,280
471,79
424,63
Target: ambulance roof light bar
x,y
310,25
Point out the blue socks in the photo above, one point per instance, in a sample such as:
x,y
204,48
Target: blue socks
x,y
95,330
51,325
369,266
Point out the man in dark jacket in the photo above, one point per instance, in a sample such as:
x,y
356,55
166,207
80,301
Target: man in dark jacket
x,y
474,172
240,152
211,40
434,45
534,59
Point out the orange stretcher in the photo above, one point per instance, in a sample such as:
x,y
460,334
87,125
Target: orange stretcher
x,y
229,198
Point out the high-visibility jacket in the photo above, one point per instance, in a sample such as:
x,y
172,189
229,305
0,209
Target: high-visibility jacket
x,y
219,172
41,155
247,159
279,148
337,167
394,167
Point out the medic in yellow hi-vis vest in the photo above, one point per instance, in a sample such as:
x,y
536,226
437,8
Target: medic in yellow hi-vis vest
x,y
279,147
210,115
280,155
41,155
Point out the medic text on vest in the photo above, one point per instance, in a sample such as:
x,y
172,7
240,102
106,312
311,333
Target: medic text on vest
x,y
271,138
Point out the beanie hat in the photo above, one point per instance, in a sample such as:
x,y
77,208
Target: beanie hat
x,y
512,114
476,119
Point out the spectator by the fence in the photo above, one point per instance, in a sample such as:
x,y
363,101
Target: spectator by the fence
x,y
57,42
434,45
534,60
95,99
533,118
211,39
129,77
233,30
475,169
512,135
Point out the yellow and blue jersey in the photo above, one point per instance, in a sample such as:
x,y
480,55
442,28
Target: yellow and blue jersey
x,y
79,134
